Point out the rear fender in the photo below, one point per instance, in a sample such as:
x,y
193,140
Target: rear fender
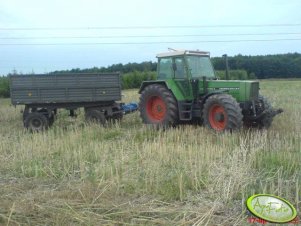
x,y
147,83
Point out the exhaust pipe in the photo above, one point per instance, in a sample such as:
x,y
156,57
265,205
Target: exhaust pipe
x,y
227,66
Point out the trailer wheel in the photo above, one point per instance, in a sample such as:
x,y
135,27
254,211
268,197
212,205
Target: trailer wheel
x,y
95,115
51,120
221,112
36,122
50,116
117,115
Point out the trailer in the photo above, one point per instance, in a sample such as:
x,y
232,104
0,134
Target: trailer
x,y
43,94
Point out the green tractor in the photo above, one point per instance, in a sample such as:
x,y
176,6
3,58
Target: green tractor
x,y
186,90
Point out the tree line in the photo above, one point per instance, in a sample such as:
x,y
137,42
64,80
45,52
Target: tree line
x,y
4,87
260,67
242,67
123,68
263,67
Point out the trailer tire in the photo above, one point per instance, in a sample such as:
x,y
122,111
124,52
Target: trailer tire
x,y
116,116
95,115
49,116
36,122
51,120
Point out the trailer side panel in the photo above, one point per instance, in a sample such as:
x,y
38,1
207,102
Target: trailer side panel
x,y
64,88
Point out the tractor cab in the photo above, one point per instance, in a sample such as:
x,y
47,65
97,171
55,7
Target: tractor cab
x,y
185,65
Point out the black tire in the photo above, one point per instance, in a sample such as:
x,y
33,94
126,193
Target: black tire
x,y
158,106
50,116
95,115
51,120
221,112
116,117
36,122
266,121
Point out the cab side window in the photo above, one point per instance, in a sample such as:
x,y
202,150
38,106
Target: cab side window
x,y
165,68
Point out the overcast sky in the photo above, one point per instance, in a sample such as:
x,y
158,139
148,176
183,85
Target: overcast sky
x,y
57,35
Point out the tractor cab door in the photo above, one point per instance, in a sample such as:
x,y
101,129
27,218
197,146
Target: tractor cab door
x,y
181,77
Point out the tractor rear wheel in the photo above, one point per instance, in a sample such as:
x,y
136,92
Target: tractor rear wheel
x,y
158,106
222,113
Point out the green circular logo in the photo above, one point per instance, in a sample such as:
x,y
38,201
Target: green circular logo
x,y
271,208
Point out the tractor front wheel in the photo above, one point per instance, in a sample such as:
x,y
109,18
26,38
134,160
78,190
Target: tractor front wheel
x,y
222,113
158,106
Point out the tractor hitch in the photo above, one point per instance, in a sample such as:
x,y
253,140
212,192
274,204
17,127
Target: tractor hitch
x,y
276,112
272,113
129,108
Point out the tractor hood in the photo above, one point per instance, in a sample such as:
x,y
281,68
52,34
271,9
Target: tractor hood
x,y
241,90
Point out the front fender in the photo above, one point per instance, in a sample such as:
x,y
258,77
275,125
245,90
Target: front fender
x,y
205,97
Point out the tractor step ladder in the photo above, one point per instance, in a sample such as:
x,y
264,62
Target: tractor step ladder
x,y
185,110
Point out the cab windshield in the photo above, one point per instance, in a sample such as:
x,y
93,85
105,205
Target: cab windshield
x,y
200,66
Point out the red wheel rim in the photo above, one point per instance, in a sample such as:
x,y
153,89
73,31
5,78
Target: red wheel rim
x,y
156,108
217,117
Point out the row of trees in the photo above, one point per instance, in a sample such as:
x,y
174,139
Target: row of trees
x,y
124,68
4,87
134,79
235,75
262,67
242,67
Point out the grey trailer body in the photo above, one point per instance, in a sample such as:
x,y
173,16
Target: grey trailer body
x,y
64,88
42,95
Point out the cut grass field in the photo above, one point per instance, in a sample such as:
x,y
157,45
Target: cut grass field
x,y
80,174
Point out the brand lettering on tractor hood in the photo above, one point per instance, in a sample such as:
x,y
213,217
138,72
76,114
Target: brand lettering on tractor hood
x,y
230,88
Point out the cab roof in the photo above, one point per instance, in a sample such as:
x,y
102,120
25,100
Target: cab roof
x,y
183,52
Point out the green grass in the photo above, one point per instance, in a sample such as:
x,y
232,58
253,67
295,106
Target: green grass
x,y
80,174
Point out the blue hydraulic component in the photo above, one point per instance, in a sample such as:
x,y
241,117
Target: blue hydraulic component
x,y
130,107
